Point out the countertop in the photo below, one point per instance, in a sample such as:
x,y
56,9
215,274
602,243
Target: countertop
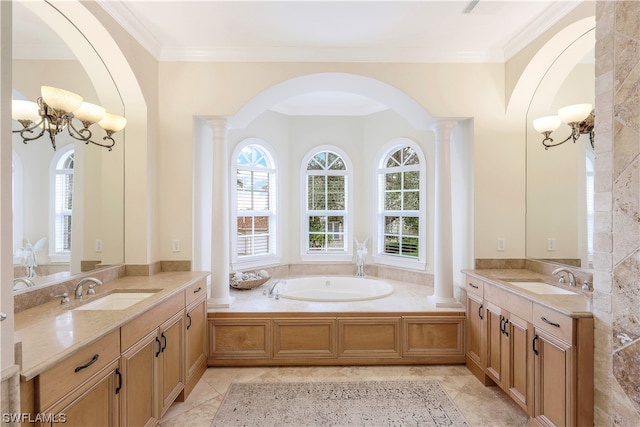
x,y
578,305
52,331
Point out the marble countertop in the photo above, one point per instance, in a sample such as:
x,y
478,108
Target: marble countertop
x,y
52,331
578,305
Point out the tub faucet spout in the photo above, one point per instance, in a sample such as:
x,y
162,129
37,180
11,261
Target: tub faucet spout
x,y
273,287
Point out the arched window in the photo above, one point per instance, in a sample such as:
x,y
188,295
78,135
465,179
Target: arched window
x,y
253,196
401,204
327,230
62,197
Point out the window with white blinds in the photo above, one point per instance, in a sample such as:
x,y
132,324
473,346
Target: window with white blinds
x,y
254,199
63,203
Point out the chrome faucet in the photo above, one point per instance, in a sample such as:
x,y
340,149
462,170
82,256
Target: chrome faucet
x,y
271,289
24,280
77,293
572,277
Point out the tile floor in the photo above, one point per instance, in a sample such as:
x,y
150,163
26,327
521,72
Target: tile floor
x,y
482,406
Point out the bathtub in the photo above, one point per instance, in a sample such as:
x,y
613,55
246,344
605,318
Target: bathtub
x,y
333,288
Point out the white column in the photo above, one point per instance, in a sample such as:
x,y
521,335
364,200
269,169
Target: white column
x,y
443,268
220,246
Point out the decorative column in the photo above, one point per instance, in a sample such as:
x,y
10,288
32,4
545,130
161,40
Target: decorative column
x,y
220,243
443,268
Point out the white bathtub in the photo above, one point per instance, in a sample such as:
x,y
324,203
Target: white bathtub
x,y
333,288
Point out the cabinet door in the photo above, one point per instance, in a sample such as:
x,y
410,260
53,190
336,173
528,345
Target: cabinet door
x,y
552,380
520,372
94,404
496,362
171,360
139,397
475,330
196,337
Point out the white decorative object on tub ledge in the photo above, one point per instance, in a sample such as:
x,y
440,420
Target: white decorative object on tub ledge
x,y
361,252
248,279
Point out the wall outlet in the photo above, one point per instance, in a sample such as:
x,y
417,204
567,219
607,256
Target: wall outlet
x,y
98,245
500,245
175,245
551,244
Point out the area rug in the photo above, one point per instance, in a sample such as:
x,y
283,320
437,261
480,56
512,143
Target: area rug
x,y
366,403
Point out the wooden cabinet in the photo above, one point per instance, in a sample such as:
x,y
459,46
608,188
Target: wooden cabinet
x,y
314,338
153,361
96,403
531,352
563,369
195,342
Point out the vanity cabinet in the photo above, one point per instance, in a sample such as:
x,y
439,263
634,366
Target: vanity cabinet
x,y
83,389
563,369
153,361
531,352
195,336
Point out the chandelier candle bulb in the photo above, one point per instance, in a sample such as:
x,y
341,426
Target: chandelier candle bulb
x,y
60,99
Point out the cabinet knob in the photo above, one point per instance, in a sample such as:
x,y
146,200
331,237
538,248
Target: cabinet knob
x,y
3,316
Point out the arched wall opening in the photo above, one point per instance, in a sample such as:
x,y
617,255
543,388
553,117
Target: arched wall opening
x,y
405,107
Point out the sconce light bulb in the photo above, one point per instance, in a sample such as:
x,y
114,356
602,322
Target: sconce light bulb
x,y
60,99
90,113
547,124
113,122
574,113
27,111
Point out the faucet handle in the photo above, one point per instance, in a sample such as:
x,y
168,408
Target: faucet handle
x,y
91,291
65,298
586,285
561,279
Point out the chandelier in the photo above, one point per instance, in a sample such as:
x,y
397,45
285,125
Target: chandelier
x,y
579,117
55,110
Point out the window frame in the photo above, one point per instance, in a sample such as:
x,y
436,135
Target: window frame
x,y
379,256
305,213
273,256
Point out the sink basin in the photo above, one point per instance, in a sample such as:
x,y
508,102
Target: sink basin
x,y
117,301
542,288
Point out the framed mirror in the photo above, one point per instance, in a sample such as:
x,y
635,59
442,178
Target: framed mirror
x,y
68,203
560,179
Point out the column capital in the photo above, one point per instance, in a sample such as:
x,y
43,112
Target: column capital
x,y
444,124
220,123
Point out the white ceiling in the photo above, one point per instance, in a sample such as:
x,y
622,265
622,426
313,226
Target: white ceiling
x,y
319,31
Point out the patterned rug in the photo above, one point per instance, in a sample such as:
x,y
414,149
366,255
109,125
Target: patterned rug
x,y
366,403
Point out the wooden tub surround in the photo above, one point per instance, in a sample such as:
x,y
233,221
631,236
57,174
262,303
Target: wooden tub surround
x,y
397,329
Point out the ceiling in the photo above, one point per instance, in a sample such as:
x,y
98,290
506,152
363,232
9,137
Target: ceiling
x,y
318,31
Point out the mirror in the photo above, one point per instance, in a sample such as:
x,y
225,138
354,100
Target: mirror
x,y
55,241
559,187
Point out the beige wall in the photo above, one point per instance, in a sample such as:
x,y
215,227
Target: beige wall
x,y
444,90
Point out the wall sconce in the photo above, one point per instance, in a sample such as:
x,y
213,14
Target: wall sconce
x,y
579,117
56,109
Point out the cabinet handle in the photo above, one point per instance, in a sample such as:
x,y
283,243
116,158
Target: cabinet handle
x,y
545,320
93,360
159,347
505,330
502,319
119,374
164,338
188,317
197,290
473,286
533,345
480,312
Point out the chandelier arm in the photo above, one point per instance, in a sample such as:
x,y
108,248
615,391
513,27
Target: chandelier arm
x,y
28,130
550,143
108,146
83,134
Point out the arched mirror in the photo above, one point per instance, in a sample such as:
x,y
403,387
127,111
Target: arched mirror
x,y
560,178
68,203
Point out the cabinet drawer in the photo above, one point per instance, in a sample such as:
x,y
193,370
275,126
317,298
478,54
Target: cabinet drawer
x,y
475,286
137,328
71,372
196,291
553,322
